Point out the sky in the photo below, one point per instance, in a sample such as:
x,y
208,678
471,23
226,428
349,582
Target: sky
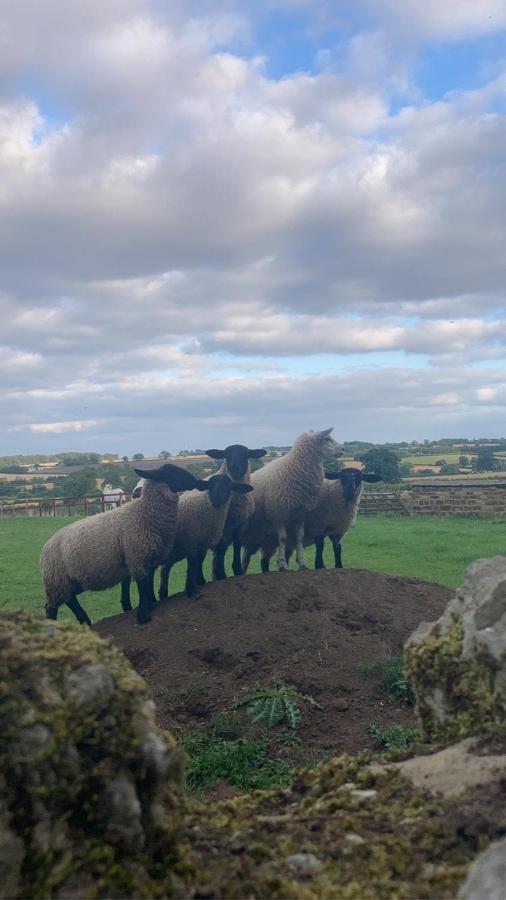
x,y
225,221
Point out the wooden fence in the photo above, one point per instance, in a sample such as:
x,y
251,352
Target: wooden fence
x,y
59,506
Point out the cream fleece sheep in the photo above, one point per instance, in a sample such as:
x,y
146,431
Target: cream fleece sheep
x,y
237,466
200,523
285,491
335,513
129,541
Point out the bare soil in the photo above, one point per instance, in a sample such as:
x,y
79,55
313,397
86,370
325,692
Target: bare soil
x,y
315,630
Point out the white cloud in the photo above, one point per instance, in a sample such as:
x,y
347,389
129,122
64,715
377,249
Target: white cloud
x,y
172,211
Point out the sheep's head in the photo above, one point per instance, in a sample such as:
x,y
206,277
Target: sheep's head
x,y
325,443
220,488
351,480
177,478
237,457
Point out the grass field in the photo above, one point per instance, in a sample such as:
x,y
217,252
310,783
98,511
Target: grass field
x,y
431,548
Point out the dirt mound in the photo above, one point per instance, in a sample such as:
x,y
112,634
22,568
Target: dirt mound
x,y
311,629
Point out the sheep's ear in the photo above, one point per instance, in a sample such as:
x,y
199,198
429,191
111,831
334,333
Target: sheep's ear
x,y
257,454
177,478
242,488
148,473
371,477
202,485
321,435
216,454
333,476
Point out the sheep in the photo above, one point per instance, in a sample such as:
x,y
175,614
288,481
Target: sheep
x,y
285,491
200,523
334,515
130,541
236,464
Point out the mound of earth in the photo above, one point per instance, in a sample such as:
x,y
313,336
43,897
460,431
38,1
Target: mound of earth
x,y
315,630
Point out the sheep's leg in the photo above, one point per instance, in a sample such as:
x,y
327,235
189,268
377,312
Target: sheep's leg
x,y
282,563
299,545
163,593
265,558
237,568
219,561
319,544
336,543
75,606
147,598
51,612
246,559
125,595
192,574
199,571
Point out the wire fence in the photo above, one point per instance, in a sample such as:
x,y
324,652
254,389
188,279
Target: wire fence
x,y
61,506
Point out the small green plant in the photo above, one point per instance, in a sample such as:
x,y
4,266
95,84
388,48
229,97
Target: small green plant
x,y
225,728
396,737
393,679
244,764
193,691
274,703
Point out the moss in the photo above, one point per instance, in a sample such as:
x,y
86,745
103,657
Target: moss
x,y
398,843
92,787
455,693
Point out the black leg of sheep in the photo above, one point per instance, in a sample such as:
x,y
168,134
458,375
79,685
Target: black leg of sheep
x,y
336,544
319,544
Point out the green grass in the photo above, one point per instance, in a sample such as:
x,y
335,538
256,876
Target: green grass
x,y
245,764
392,679
397,737
433,548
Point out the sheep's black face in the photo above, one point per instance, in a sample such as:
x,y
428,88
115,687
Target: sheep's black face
x,y
220,487
237,457
351,479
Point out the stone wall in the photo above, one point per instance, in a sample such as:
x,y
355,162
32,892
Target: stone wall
x,y
456,499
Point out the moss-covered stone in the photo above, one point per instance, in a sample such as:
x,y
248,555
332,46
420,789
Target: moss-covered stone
x,y
457,666
90,788
367,833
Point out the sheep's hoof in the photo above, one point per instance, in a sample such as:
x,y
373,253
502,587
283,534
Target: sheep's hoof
x,y
163,597
143,618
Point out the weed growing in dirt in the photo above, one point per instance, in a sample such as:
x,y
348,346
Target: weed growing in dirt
x,y
226,728
393,679
193,691
396,737
244,764
274,703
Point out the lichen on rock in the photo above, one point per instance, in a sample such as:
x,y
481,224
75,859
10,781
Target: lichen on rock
x,y
90,788
457,665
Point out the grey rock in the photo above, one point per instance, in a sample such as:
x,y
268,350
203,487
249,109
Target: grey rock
x,y
364,795
487,876
305,864
90,683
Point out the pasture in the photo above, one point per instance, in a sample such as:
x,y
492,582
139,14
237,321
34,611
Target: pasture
x,y
431,548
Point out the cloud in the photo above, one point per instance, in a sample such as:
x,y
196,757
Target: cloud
x,y
171,213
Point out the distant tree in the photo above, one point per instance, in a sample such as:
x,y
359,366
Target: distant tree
x,y
138,456
463,460
164,454
78,459
125,459
486,461
448,468
129,480
13,470
332,464
111,474
81,484
405,470
383,463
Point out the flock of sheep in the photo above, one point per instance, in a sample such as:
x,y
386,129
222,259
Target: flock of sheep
x,y
286,505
